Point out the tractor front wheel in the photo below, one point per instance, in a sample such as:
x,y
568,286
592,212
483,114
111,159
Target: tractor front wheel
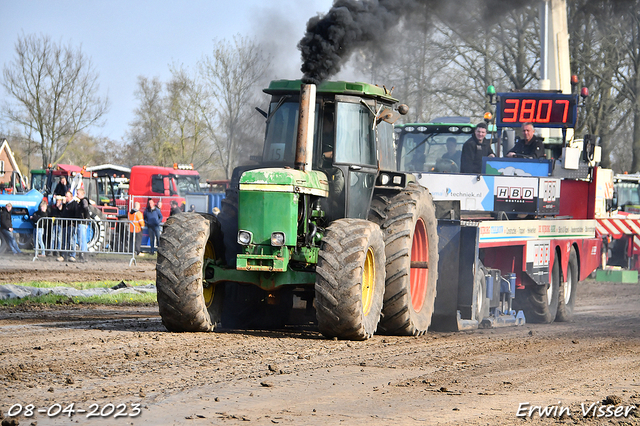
x,y
185,302
350,279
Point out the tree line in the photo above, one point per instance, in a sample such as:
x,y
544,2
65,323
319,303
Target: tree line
x,y
439,64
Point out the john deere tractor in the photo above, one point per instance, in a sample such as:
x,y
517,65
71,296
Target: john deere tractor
x,y
326,219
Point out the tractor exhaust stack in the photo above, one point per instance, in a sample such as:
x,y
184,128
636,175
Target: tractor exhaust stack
x,y
304,142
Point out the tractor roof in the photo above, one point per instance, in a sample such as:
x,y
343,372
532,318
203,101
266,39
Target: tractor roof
x,y
279,87
442,127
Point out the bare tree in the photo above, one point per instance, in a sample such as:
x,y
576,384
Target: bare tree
x,y
231,75
596,58
54,93
191,142
146,134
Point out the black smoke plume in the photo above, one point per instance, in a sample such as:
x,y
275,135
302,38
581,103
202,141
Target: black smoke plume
x,y
352,24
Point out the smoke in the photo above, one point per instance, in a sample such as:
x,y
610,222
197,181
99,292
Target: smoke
x,y
352,24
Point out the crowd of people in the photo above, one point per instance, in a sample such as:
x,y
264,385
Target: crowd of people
x,y
64,236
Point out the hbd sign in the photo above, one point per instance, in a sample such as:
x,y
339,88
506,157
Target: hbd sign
x,y
514,193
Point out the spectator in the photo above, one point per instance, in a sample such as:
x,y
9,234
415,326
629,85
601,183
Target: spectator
x,y
83,214
135,227
6,229
68,219
62,187
474,149
153,220
192,208
175,209
38,230
56,230
530,146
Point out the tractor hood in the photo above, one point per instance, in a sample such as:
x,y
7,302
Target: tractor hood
x,y
312,182
31,200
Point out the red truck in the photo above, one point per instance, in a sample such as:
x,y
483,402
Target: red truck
x,y
163,185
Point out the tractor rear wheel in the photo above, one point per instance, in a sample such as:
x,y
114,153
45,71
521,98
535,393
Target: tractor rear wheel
x,y
567,293
350,279
185,301
539,302
411,246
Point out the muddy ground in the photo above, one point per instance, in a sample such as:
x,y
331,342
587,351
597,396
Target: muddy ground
x,y
105,355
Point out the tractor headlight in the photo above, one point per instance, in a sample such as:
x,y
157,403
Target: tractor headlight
x,y
277,239
385,179
244,238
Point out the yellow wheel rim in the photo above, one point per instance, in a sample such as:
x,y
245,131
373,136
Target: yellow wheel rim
x,y
368,282
208,292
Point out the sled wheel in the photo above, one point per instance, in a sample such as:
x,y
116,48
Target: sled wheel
x,y
480,299
411,245
539,302
350,279
567,294
184,303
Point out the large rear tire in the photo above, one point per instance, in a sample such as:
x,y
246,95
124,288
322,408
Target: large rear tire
x,y
411,236
185,304
539,302
567,293
350,281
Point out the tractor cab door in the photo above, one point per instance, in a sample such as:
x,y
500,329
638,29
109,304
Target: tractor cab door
x,y
355,153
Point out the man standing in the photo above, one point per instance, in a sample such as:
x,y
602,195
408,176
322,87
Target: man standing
x,y
135,227
83,214
530,146
474,149
6,228
69,228
175,209
56,232
153,220
39,228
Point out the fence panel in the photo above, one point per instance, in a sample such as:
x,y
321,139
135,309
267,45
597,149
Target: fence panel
x,y
68,237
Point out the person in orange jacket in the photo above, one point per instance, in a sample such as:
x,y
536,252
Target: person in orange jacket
x,y
135,227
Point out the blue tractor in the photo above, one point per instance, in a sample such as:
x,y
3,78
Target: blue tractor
x,y
25,202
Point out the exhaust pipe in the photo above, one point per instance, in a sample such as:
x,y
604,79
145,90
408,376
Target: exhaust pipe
x,y
306,116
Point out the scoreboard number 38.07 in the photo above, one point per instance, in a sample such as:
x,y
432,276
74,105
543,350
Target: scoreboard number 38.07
x,y
542,109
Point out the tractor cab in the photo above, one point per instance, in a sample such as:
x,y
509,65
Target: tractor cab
x,y
15,185
432,147
351,142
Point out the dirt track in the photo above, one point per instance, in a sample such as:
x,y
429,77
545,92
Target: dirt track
x,y
104,355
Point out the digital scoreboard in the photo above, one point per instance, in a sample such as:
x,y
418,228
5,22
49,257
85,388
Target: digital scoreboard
x,y
541,109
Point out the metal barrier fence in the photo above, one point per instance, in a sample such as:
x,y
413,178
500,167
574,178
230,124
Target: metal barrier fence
x,y
70,237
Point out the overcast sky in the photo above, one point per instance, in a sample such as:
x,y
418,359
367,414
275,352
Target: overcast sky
x,y
129,38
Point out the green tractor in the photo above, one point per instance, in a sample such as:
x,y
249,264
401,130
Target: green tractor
x,y
325,221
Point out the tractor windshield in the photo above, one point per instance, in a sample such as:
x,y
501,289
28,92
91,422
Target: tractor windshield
x,y
628,193
39,182
282,129
431,151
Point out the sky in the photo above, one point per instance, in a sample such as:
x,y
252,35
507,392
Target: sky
x,y
130,38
